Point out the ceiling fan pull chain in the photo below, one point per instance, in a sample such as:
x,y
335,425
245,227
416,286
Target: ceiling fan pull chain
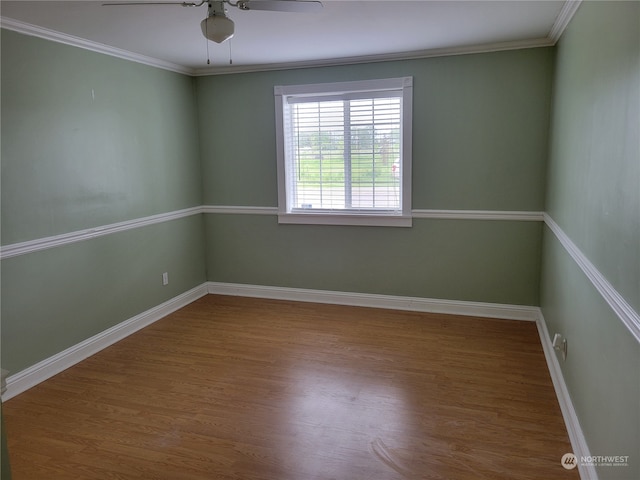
x,y
207,40
230,59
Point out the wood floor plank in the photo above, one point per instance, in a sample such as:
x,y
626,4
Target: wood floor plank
x,y
235,388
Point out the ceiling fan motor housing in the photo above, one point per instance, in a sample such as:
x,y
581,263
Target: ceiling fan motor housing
x,y
217,26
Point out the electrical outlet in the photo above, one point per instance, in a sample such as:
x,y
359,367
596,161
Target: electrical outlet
x,y
165,278
560,344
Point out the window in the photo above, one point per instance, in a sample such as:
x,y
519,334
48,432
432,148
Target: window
x,y
344,152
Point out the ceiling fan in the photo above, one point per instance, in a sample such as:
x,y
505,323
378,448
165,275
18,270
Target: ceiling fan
x,y
218,27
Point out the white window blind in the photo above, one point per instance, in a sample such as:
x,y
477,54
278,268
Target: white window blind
x,y
343,151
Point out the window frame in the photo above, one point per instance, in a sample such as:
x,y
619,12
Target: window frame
x,y
400,218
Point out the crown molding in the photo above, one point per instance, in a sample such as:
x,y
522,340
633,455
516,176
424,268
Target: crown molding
x,y
54,36
58,37
562,20
413,55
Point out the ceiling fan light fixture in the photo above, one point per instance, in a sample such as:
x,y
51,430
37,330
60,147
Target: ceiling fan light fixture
x,y
217,28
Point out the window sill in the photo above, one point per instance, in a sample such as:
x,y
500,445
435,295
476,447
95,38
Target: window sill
x,y
345,219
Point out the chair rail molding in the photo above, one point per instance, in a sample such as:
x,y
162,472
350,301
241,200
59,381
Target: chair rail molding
x,y
618,304
23,248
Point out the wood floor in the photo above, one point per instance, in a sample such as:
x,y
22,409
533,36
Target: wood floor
x,y
239,388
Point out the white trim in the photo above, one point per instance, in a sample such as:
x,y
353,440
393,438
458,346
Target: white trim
x,y
576,436
416,213
356,219
479,215
46,369
415,55
31,246
58,37
285,96
562,20
406,173
415,304
625,312
315,90
240,210
51,366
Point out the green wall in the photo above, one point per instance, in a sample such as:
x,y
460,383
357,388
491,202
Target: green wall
x,y
89,140
480,126
593,193
480,143
488,261
594,172
56,298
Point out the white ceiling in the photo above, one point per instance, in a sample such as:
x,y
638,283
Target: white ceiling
x,y
343,31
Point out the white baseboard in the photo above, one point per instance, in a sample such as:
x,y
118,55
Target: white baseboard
x,y
24,380
51,366
416,304
476,309
576,437
45,369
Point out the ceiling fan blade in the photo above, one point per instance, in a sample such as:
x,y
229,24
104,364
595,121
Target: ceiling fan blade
x,y
123,4
280,5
